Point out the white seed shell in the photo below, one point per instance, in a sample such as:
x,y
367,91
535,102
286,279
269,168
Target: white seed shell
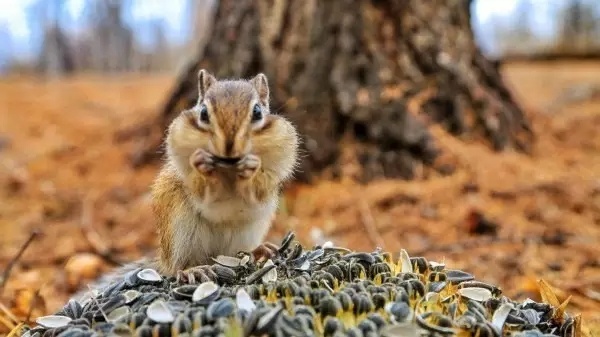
x,y
245,260
432,297
131,295
149,275
118,313
159,312
271,275
475,293
244,301
204,290
436,265
405,259
500,315
228,261
528,301
327,244
53,321
305,265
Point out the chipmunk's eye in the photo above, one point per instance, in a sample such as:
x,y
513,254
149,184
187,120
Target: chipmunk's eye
x,y
256,113
204,114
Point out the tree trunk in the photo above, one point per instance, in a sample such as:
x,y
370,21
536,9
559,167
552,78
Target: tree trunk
x,y
375,73
55,58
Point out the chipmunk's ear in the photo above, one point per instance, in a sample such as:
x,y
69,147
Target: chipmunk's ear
x,y
205,80
261,85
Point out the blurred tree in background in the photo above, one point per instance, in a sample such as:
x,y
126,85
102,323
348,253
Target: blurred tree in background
x,y
106,42
56,56
580,29
375,74
103,42
372,73
574,31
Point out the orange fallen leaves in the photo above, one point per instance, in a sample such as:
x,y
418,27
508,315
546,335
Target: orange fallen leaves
x,y
67,149
82,267
549,296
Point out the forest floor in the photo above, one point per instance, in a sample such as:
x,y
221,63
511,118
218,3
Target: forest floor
x,y
65,173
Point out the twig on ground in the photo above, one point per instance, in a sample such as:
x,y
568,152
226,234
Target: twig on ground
x,y
14,332
8,313
93,298
369,223
16,258
36,296
6,322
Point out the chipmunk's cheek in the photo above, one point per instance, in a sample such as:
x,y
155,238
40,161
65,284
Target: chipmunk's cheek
x,y
266,125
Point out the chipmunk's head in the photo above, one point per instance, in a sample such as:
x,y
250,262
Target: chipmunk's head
x,y
230,112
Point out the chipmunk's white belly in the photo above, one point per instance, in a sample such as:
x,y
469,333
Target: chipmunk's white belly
x,y
221,228
236,212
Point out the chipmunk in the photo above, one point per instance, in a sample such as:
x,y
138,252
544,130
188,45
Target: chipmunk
x,y
226,160
218,190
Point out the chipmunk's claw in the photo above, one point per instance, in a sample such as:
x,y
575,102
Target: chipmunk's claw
x,y
248,166
198,274
203,161
265,251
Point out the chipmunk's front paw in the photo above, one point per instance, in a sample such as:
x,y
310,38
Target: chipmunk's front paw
x,y
248,166
198,274
265,251
203,161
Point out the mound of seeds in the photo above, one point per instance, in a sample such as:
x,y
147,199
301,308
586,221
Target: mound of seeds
x,y
325,291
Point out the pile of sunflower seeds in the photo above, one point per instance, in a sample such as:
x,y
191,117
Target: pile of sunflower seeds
x,y
325,291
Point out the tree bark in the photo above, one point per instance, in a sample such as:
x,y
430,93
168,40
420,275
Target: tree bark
x,y
56,57
375,73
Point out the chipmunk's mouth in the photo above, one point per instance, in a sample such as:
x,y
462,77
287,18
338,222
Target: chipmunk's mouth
x,y
227,160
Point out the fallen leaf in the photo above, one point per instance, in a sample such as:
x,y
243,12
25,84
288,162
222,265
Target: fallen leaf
x,y
82,267
547,293
559,312
26,301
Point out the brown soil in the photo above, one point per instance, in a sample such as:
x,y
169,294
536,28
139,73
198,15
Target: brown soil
x,y
63,172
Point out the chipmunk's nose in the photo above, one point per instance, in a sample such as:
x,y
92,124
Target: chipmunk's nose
x,y
228,147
